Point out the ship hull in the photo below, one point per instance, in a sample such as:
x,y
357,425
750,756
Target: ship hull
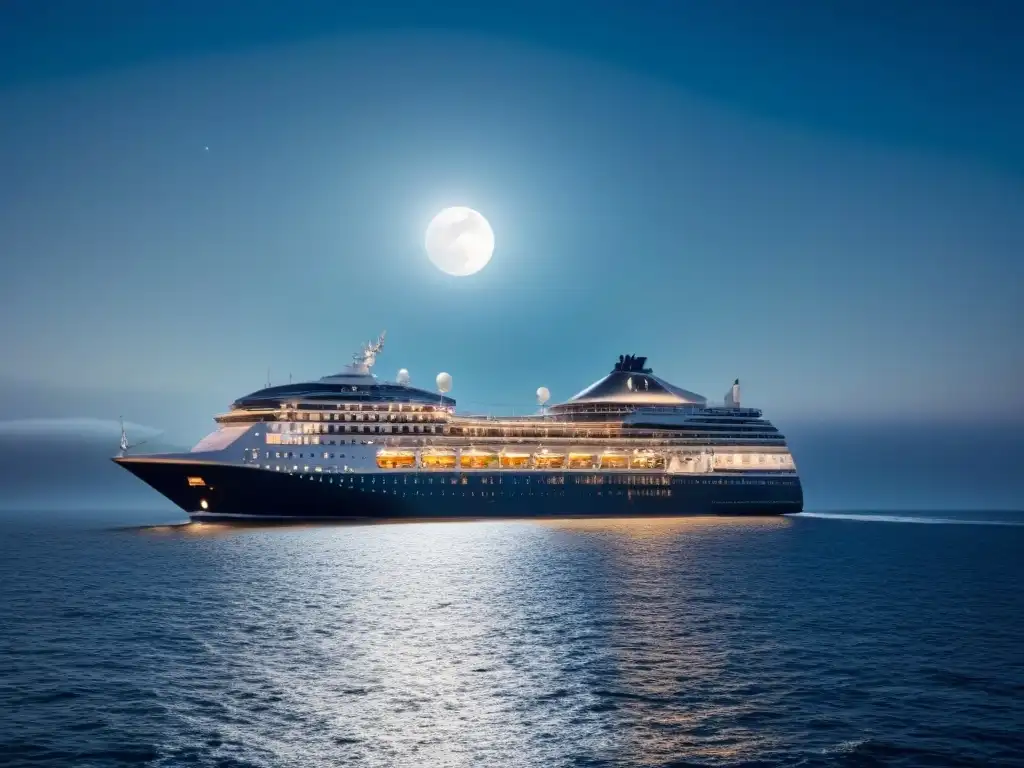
x,y
210,491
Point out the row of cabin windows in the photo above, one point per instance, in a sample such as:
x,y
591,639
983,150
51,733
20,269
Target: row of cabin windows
x,y
599,433
330,429
416,429
598,479
329,455
407,413
643,480
505,432
737,421
400,417
291,455
316,440
737,427
630,492
417,413
337,429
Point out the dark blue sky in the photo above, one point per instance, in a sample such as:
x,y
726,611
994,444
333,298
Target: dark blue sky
x,y
824,199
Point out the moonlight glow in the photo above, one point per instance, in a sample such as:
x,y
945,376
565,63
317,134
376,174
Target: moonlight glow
x,y
459,241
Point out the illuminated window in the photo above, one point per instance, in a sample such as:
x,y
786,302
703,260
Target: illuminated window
x,y
196,482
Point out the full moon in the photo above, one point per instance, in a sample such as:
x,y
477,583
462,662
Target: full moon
x,y
459,241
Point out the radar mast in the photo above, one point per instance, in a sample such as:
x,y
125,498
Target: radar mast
x,y
367,356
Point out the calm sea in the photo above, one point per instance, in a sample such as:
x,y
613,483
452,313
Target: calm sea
x,y
854,640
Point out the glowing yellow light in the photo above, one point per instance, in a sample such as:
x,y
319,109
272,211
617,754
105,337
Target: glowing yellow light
x,y
203,504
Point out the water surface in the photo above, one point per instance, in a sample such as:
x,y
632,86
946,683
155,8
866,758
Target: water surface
x,y
813,641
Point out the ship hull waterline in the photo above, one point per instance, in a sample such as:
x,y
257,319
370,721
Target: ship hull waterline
x,y
211,491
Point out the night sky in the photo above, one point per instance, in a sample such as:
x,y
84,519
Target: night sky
x,y
823,199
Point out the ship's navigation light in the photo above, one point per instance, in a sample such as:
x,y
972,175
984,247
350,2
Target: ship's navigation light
x,y
203,504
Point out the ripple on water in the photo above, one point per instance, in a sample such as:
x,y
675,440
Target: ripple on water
x,y
578,643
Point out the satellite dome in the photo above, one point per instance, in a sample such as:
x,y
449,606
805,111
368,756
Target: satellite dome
x,y
543,395
403,377
444,382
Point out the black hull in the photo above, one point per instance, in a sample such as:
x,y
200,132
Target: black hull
x,y
211,491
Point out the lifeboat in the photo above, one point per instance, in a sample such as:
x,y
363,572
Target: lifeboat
x,y
643,459
396,459
438,459
614,460
548,460
582,460
514,460
477,459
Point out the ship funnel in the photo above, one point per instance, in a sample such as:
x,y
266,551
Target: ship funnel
x,y
732,397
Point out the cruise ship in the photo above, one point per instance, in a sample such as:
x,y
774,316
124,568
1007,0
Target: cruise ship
x,y
351,446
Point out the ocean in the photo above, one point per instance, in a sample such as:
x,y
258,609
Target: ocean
x,y
888,639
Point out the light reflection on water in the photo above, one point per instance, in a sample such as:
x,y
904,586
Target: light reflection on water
x,y
562,642
633,527
663,653
645,527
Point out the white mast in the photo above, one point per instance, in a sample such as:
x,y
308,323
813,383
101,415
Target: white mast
x,y
124,440
363,360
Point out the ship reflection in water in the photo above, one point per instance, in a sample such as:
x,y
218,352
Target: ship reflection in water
x,y
557,642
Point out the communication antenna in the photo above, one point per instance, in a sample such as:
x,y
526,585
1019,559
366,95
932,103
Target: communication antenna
x,y
124,436
403,377
125,447
268,377
367,356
